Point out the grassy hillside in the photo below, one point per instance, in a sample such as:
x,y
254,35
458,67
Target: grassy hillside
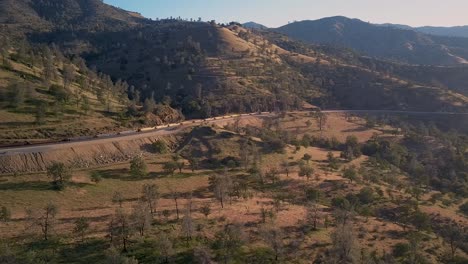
x,y
272,209
48,97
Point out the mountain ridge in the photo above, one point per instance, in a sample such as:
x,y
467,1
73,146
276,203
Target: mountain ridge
x,y
397,44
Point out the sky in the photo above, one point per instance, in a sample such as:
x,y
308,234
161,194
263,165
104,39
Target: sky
x,y
275,13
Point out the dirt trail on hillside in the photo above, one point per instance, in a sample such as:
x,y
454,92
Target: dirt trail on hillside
x,y
82,156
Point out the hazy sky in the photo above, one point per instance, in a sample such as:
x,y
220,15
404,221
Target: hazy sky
x,y
275,13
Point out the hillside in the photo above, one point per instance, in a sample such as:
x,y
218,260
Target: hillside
x,y
27,16
201,69
276,190
456,31
385,42
254,25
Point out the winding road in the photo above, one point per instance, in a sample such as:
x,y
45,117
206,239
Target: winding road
x,y
177,127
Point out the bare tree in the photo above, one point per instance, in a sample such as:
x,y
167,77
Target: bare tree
x,y
221,185
321,121
273,236
81,227
45,219
344,245
175,196
229,241
313,214
272,174
118,198
150,194
202,255
206,210
286,167
120,228
453,234
68,75
194,163
165,246
141,218
187,225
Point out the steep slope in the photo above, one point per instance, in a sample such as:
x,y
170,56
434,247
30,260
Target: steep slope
x,y
386,42
204,69
346,79
28,16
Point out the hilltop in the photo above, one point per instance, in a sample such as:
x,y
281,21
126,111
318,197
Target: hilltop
x,y
392,43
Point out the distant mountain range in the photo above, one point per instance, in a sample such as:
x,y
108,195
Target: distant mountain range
x,y
394,42
458,31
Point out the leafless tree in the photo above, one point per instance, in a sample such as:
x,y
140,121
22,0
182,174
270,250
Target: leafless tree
x,y
141,218
286,167
344,245
221,185
175,196
118,198
313,214
150,194
187,224
202,255
44,218
165,246
120,228
273,236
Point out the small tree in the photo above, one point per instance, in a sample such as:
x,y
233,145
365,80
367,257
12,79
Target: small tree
x,y
120,228
96,177
194,163
350,173
286,167
138,167
464,208
228,242
187,225
273,236
321,120
170,167
140,218
332,161
160,147
180,165
81,228
68,75
113,256
45,219
221,186
165,247
206,210
150,194
307,157
5,214
313,214
306,171
175,196
344,247
118,198
60,175
272,175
